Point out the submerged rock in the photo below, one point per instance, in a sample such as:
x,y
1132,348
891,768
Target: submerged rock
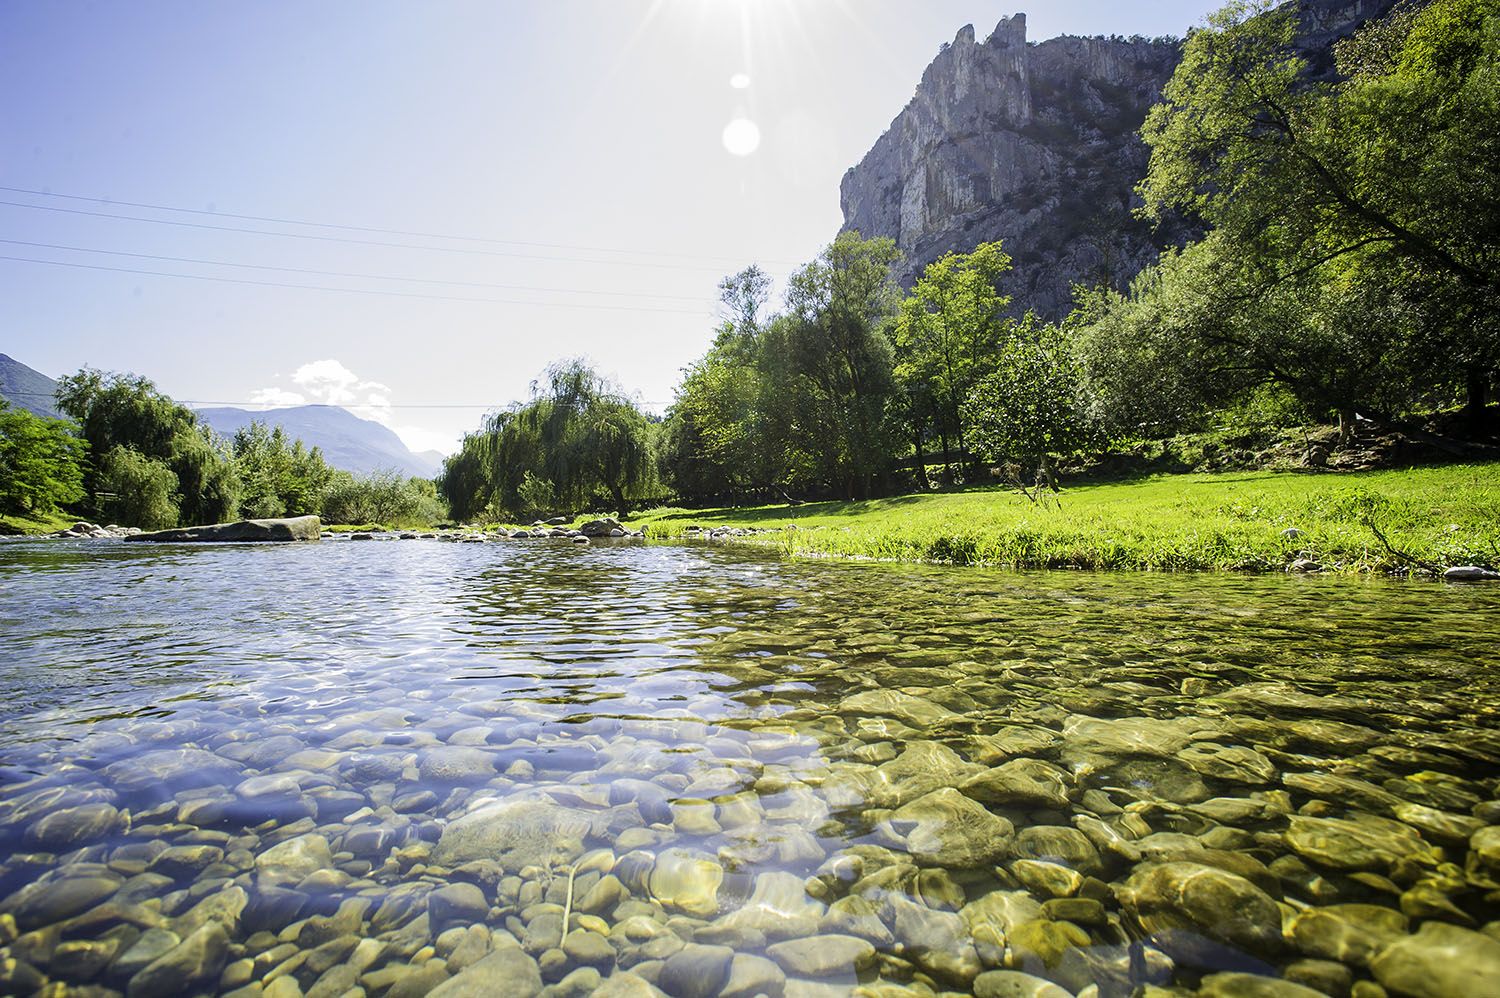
x,y
300,528
945,828
1439,961
516,834
1182,904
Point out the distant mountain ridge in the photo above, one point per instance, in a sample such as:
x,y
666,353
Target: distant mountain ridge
x,y
348,442
359,445
27,389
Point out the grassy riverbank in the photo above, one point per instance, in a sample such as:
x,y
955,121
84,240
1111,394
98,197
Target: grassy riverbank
x,y
1432,516
32,525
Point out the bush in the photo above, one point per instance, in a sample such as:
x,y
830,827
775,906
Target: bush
x,y
136,491
383,497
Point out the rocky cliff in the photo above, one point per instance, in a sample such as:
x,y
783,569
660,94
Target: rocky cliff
x,y
1038,145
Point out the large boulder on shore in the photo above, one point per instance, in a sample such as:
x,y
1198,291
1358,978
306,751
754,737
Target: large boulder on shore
x,y
297,528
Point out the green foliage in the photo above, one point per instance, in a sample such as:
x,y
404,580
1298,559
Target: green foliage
x,y
839,307
1031,409
40,463
578,435
384,497
278,477
948,337
125,411
1352,256
137,491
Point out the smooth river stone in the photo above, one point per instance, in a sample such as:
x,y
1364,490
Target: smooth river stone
x,y
1059,844
915,711
1232,763
1441,960
1181,904
1348,933
945,828
778,908
823,956
506,973
164,771
64,829
194,962
1020,782
1362,843
515,834
991,919
291,861
1134,736
921,769
687,881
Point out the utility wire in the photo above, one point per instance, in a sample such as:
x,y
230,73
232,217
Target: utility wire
x,y
330,405
363,228
339,273
357,242
353,291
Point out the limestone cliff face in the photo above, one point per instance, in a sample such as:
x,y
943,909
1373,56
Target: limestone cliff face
x,y
1038,145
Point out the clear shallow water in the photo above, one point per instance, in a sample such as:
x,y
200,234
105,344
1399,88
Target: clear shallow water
x,y
389,765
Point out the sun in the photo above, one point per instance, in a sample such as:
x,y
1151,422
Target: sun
x,y
741,137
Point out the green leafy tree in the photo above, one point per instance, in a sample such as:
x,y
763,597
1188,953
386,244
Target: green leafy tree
x,y
839,307
123,410
278,476
578,436
40,463
136,491
948,334
1374,190
384,497
1030,410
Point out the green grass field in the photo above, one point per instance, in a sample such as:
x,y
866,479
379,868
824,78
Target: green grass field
x,y
46,524
1436,517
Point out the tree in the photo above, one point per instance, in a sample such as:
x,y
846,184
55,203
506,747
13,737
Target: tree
x,y
839,307
278,477
40,463
1031,411
137,491
578,439
122,410
949,333
1379,186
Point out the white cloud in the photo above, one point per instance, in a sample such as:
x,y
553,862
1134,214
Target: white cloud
x,y
275,398
329,382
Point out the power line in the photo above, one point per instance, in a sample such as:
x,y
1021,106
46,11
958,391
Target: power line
x,y
352,291
330,405
338,273
357,242
360,228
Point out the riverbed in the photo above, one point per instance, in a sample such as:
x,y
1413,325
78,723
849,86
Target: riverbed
x,y
409,767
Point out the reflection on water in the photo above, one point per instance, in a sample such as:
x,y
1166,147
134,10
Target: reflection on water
x,y
420,767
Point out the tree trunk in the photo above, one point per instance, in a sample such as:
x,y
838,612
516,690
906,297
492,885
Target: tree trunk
x,y
921,462
947,461
1346,427
621,503
1476,397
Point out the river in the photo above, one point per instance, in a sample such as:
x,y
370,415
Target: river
x,y
401,767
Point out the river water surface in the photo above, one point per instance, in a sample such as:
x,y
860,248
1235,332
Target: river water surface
x,y
399,768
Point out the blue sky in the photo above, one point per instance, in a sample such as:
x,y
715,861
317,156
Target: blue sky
x,y
576,145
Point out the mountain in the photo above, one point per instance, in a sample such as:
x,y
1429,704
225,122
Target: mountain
x,y
348,442
1037,144
27,389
